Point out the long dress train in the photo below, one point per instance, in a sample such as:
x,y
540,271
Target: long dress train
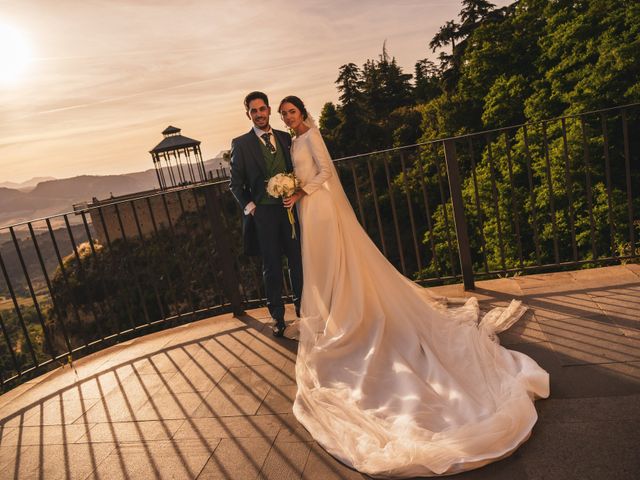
x,y
390,381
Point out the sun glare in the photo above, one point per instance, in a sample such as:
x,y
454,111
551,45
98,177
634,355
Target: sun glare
x,y
15,55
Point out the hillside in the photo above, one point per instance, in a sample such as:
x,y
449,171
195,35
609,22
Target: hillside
x,y
57,196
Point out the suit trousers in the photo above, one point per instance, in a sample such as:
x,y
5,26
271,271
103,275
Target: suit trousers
x,y
274,236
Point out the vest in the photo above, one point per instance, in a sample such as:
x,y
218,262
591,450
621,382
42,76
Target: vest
x,y
275,163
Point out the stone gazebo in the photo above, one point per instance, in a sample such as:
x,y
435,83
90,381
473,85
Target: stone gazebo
x,y
182,160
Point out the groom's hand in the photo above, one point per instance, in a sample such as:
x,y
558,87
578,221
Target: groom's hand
x,y
250,209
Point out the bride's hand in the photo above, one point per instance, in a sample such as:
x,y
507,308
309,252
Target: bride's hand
x,y
291,201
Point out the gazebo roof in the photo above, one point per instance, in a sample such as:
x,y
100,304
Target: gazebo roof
x,y
171,129
174,141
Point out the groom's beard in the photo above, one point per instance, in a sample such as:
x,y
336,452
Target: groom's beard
x,y
261,122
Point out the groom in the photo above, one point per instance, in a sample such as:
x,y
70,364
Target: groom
x,y
257,156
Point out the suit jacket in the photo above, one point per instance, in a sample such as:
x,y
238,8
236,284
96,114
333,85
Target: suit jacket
x,y
248,176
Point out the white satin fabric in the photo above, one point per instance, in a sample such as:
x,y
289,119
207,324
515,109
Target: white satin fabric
x,y
390,381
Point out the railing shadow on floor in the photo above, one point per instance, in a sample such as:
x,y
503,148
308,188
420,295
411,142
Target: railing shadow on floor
x,y
580,336
211,350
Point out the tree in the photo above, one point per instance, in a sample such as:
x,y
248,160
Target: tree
x,y
329,119
385,86
473,13
504,103
426,82
448,34
350,131
589,57
329,123
349,84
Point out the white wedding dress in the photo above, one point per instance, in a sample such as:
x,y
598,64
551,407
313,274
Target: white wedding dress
x,y
390,381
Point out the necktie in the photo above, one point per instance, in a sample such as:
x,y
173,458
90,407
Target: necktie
x,y
267,142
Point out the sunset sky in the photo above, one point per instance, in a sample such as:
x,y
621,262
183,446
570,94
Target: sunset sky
x,y
86,87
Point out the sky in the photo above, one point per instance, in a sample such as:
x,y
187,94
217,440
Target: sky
x,y
87,86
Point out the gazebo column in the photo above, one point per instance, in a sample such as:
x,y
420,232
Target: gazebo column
x,y
177,154
158,171
167,159
187,157
200,163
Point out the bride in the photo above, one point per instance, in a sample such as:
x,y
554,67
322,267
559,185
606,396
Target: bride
x,y
390,381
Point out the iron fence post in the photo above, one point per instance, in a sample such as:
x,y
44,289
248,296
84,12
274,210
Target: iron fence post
x,y
231,280
460,221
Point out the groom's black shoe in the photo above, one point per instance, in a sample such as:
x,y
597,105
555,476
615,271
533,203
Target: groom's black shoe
x,y
278,329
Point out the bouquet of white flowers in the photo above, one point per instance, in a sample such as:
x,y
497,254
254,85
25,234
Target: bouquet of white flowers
x,y
284,185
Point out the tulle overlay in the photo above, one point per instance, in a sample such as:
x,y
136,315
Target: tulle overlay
x,y
391,380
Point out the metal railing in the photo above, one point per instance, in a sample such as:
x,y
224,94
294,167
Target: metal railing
x,y
556,194
553,194
80,281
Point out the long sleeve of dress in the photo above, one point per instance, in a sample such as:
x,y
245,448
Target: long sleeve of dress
x,y
322,160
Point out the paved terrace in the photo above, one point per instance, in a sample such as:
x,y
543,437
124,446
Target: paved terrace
x,y
213,399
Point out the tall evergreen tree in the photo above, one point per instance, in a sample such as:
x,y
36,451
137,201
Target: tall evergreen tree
x,y
385,86
426,82
351,133
329,119
329,123
349,84
448,34
473,13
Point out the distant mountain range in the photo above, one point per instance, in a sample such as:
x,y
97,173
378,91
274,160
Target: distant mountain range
x,y
48,196
27,185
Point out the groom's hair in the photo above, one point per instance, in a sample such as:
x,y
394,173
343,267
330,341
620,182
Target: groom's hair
x,y
253,96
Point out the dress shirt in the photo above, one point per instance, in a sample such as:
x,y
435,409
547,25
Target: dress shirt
x,y
272,137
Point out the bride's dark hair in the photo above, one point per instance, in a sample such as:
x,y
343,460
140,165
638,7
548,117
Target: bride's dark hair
x,y
295,101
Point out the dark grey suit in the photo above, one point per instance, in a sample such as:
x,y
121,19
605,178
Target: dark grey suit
x,y
270,222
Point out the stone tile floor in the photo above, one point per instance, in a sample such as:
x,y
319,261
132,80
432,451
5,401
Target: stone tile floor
x,y
212,399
